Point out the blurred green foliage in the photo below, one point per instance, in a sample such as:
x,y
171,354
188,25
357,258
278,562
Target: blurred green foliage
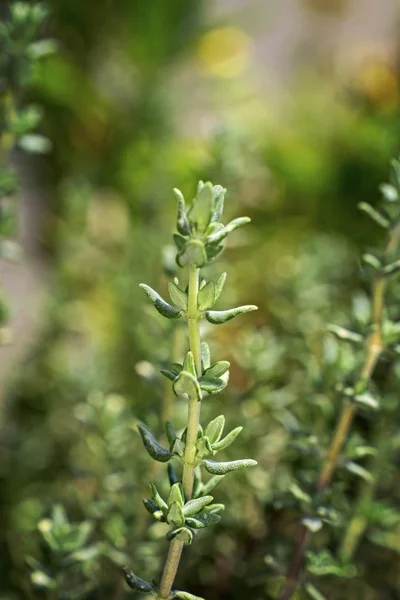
x,y
123,123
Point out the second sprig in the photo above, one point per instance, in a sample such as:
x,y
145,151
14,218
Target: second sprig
x,y
189,505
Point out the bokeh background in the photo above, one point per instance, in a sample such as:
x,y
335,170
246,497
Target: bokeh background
x,y
293,106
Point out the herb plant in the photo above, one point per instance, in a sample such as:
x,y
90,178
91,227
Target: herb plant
x,y
359,390
189,506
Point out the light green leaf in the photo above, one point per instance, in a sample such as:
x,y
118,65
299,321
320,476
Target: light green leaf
x,y
176,495
185,596
189,365
217,317
214,429
345,334
175,515
389,192
219,286
157,498
227,440
182,533
221,468
205,356
218,369
206,296
313,524
186,384
193,253
212,385
201,209
192,507
156,451
165,309
34,143
212,483
182,223
178,296
367,400
153,509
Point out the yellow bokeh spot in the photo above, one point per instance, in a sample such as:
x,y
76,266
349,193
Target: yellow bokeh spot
x,y
378,82
224,52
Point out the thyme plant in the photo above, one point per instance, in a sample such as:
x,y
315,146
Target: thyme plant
x,y
359,392
199,240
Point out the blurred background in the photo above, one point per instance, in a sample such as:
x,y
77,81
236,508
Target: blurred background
x,y
293,106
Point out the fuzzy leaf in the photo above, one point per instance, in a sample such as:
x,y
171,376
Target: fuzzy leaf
x,y
205,356
203,448
189,365
182,223
178,296
206,296
371,260
193,253
136,583
176,495
218,369
217,317
165,309
391,269
227,440
221,468
201,209
186,383
175,515
212,385
155,449
213,250
180,241
202,520
192,507
157,498
214,429
219,286
218,202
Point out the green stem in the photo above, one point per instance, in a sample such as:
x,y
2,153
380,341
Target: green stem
x,y
176,546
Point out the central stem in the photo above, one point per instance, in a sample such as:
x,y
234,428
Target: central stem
x,y
176,546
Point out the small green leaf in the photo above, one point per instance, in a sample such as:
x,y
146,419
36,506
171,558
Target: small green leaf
x,y
176,495
157,498
180,241
178,297
42,48
205,356
217,317
165,309
189,365
221,468
175,515
186,384
212,251
218,202
171,375
206,296
212,385
218,369
313,592
136,583
203,447
200,211
193,253
155,449
182,223
374,214
215,428
202,520
192,507
219,286
227,440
